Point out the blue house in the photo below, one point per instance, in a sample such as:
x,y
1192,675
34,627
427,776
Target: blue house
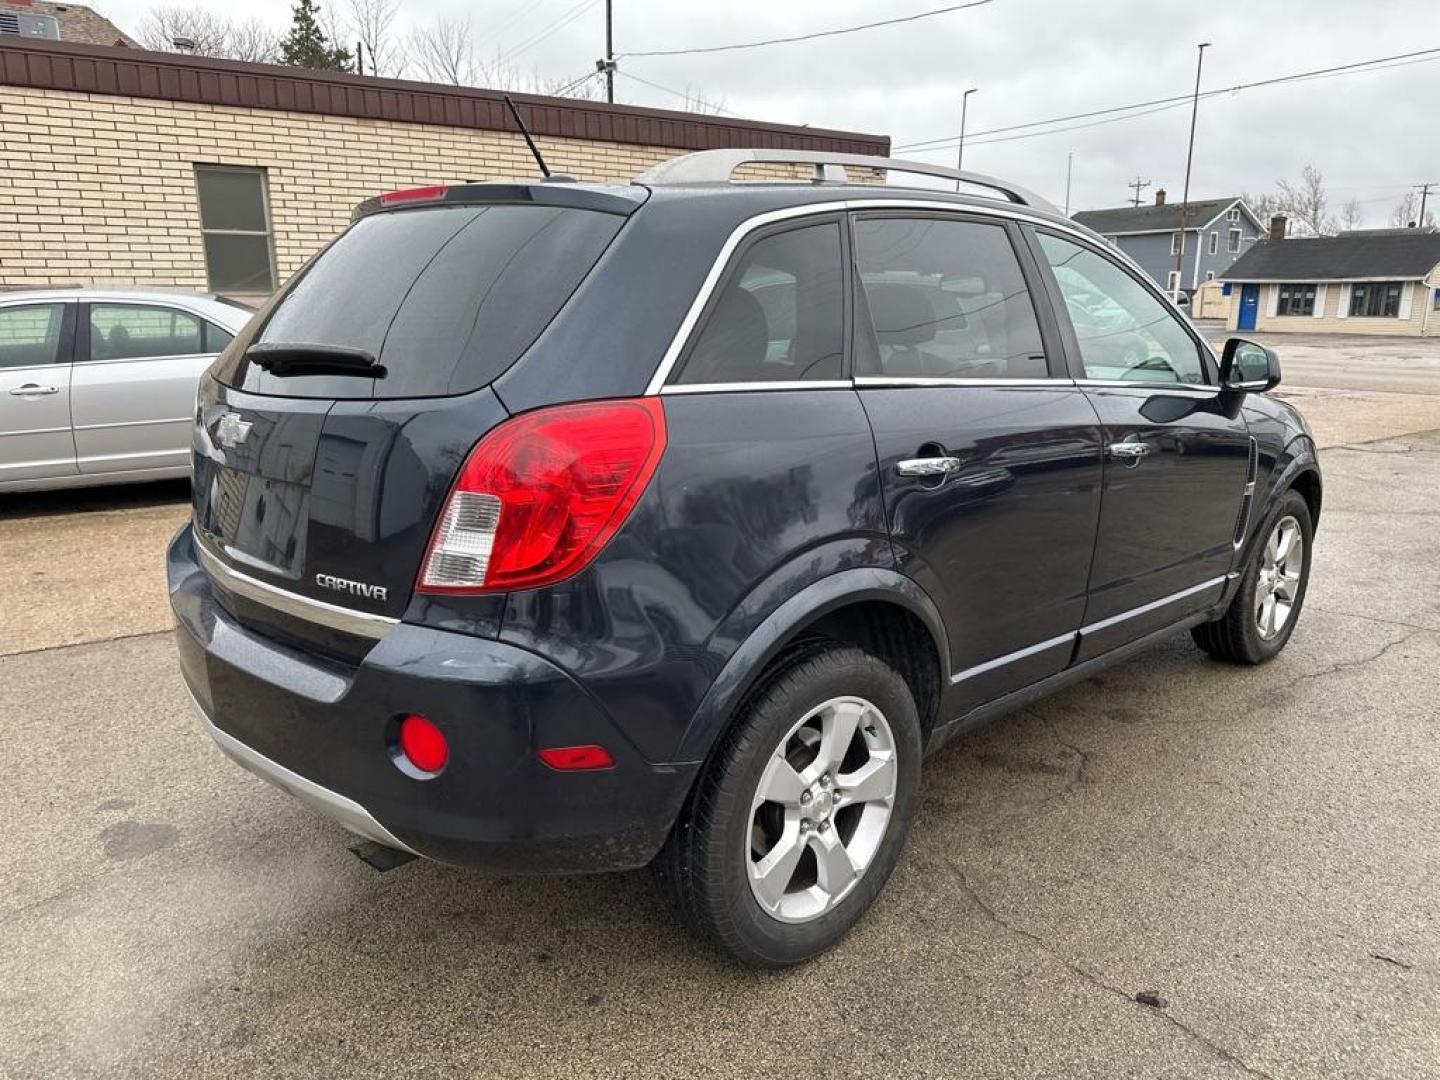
x,y
1217,232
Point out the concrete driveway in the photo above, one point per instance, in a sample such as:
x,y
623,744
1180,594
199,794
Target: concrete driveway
x,y
1260,848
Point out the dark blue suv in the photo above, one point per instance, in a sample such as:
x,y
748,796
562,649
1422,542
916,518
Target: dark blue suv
x,y
567,527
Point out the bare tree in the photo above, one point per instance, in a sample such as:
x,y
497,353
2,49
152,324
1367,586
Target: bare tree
x,y
1406,214
1265,205
373,24
206,34
1307,203
1352,216
443,51
202,32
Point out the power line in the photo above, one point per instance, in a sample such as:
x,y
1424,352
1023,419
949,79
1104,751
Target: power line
x,y
570,15
946,141
677,93
813,36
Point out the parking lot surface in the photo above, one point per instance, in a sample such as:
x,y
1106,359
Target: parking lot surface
x,y
1260,848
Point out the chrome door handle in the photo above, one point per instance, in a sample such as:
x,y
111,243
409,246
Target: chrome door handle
x,y
32,390
928,466
1131,450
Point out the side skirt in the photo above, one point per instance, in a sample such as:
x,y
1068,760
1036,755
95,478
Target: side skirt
x,y
1018,699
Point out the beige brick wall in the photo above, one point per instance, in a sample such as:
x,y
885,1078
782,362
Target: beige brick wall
x,y
1329,322
96,189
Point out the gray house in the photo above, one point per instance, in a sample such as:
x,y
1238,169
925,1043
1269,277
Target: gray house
x,y
1217,232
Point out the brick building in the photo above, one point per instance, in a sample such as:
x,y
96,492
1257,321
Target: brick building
x,y
124,166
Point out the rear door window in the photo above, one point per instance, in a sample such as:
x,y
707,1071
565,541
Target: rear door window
x,y
779,316
30,334
446,298
132,331
946,300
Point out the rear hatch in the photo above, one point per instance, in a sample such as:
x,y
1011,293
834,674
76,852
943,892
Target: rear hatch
x,y
329,432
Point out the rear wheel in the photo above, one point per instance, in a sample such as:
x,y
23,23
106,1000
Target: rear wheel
x,y
799,818
1262,616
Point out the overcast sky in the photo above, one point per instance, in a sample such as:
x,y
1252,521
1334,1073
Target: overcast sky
x,y
1372,134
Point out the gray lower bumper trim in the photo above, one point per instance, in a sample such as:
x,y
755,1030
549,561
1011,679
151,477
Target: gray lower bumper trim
x,y
347,812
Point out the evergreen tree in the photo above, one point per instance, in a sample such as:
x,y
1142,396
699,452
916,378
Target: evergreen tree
x,y
306,45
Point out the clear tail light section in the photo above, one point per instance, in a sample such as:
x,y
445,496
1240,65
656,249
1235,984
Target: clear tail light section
x,y
541,494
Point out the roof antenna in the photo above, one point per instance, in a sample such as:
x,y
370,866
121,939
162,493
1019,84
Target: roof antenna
x,y
544,169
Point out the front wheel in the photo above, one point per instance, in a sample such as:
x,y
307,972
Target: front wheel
x,y
1262,616
800,815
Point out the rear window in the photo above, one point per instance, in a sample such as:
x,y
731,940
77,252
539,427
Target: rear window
x,y
446,298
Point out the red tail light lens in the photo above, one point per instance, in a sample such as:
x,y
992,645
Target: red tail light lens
x,y
541,494
409,195
423,744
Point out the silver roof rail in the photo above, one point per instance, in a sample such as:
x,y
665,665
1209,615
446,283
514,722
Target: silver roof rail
x,y
716,167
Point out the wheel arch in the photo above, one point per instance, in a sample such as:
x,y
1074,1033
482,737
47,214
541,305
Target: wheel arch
x,y
876,609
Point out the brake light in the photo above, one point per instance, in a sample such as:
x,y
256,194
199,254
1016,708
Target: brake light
x,y
409,195
541,494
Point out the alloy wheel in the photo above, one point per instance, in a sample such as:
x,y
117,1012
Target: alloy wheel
x,y
1277,588
821,809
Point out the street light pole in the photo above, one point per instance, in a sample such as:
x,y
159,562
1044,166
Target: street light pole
x,y
1189,157
609,53
960,153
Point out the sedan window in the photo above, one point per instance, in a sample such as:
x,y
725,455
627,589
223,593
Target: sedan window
x,y
30,334
130,331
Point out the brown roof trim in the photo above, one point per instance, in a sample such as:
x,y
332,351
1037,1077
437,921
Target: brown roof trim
x,y
97,69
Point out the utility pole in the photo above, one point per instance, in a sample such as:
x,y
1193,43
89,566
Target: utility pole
x,y
609,52
1424,190
1137,185
359,58
1189,158
1069,171
960,153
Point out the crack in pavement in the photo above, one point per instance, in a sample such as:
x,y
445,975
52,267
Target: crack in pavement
x,y
89,641
1087,976
1377,619
1344,665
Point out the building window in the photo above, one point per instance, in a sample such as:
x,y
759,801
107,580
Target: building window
x,y
235,224
1214,242
1296,300
1209,275
1234,243
1437,299
1376,299
1175,243
1233,215
1172,281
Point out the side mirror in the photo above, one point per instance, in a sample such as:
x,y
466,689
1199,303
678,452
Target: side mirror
x,y
1249,367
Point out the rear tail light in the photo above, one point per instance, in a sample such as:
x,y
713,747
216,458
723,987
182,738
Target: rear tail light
x,y
409,195
423,744
541,494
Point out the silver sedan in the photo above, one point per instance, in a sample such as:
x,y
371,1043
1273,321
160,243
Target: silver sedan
x,y
97,386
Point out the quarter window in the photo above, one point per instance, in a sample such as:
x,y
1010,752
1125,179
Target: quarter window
x,y
129,331
946,299
30,335
235,228
1124,332
1296,300
780,315
1376,299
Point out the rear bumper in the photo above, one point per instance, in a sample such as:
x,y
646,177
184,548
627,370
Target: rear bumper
x,y
322,730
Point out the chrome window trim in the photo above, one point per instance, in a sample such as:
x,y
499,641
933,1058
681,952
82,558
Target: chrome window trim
x,y
1154,605
360,623
1010,658
1017,213
1147,384
776,384
349,813
144,359
923,380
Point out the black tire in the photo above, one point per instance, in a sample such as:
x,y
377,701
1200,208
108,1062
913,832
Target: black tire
x,y
704,864
1235,636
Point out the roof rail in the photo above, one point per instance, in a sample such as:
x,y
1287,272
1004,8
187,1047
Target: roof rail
x,y
716,167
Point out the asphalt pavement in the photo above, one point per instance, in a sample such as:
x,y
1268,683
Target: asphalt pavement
x,y
1256,852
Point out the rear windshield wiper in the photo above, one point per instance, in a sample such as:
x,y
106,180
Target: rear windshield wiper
x,y
285,359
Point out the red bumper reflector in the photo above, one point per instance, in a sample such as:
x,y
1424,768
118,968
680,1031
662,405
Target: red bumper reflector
x,y
423,744
577,758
